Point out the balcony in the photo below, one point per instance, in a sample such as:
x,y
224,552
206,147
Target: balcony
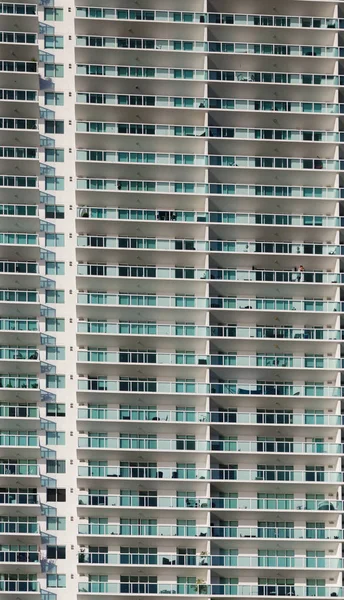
x,y
227,561
204,189
257,476
101,442
260,505
214,303
141,386
18,356
212,18
26,442
299,419
214,104
13,470
19,586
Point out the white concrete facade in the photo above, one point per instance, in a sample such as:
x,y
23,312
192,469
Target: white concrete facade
x,y
171,299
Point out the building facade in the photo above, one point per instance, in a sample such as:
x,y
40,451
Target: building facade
x,y
171,283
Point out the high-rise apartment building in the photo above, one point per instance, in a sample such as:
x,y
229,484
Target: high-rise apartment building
x,y
171,278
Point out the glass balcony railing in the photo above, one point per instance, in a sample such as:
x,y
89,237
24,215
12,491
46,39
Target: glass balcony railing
x,y
227,303
197,417
185,589
240,133
19,296
201,189
19,325
10,8
181,216
169,16
20,268
151,243
215,388
18,66
19,585
24,382
22,468
23,239
163,73
10,37
101,270
170,45
18,527
18,210
13,152
269,504
18,411
296,533
18,95
14,181
19,556
23,497
8,123
18,353
175,445
12,438
231,331
202,160
250,475
181,358
210,103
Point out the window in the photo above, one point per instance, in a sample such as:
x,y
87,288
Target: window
x,y
53,14
55,353
54,183
53,41
56,495
55,438
55,410
54,211
54,155
56,552
56,523
54,268
56,581
54,239
55,381
52,324
53,70
52,126
55,296
56,466
54,98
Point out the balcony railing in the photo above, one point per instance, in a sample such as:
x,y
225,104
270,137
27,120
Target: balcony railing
x,y
195,474
18,95
214,160
185,589
210,103
25,439
190,416
18,556
249,561
194,75
18,66
248,504
146,272
19,324
23,497
20,585
237,532
10,37
180,358
23,382
22,239
20,153
180,216
173,45
17,411
19,527
202,331
212,18
228,133
18,353
21,268
201,189
171,245
8,123
19,469
172,445
10,8
18,210
215,388
227,303
19,296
